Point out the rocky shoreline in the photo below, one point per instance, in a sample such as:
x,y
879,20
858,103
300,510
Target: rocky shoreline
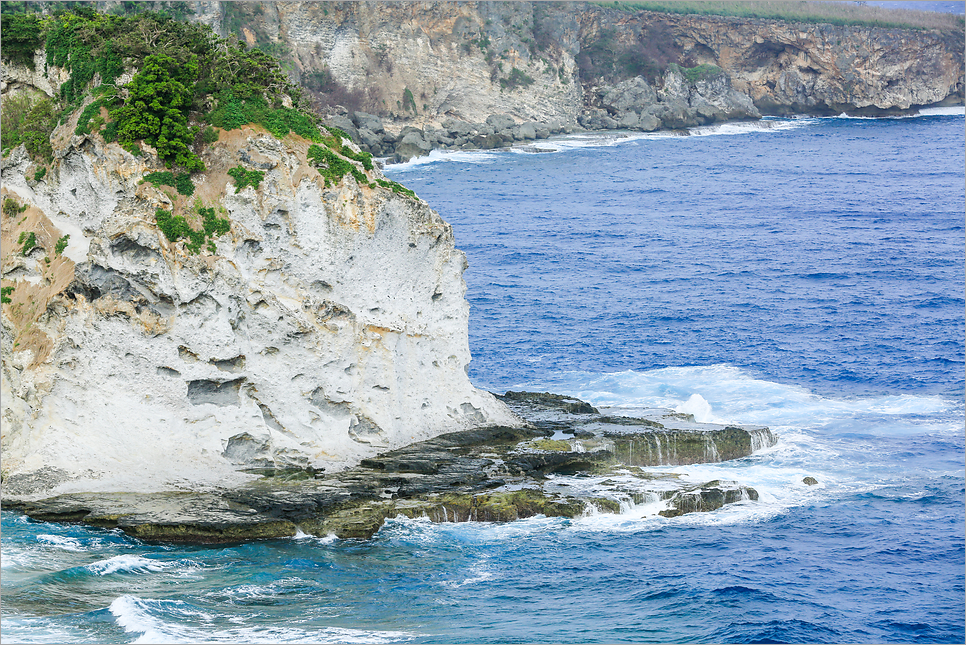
x,y
683,101
567,460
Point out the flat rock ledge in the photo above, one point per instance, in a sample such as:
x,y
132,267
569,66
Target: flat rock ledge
x,y
569,460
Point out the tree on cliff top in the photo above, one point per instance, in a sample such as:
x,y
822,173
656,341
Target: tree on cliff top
x,y
156,109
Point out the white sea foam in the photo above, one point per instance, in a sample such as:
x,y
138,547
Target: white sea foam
x,y
175,621
37,630
479,572
60,542
955,110
750,127
127,564
138,564
302,536
438,155
734,396
697,406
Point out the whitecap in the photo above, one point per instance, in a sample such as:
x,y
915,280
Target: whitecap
x,y
301,536
735,396
60,542
734,128
698,407
126,564
175,621
479,572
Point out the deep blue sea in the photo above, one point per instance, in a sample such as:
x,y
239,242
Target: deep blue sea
x,y
806,274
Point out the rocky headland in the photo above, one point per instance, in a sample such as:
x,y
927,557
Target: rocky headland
x,y
221,321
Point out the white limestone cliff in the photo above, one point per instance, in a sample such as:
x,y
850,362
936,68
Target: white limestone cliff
x,y
329,325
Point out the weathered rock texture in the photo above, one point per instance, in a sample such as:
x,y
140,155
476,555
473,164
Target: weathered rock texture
x,y
403,78
490,474
329,324
547,62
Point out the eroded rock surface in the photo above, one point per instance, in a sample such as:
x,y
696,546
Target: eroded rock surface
x,y
328,325
485,75
494,473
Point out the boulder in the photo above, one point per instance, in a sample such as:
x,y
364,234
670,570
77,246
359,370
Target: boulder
x,y
370,139
630,95
457,128
500,122
629,120
345,124
368,121
648,122
526,131
412,145
487,141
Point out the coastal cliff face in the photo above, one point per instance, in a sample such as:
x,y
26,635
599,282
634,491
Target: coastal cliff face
x,y
553,62
327,325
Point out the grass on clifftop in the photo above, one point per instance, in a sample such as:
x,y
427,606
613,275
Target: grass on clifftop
x,y
835,13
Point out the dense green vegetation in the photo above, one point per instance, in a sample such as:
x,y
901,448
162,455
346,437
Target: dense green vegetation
x,y
397,188
332,167
167,178
176,227
5,294
835,13
244,177
186,76
28,120
336,140
187,80
21,37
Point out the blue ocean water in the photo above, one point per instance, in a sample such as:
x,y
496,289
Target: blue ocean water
x,y
806,274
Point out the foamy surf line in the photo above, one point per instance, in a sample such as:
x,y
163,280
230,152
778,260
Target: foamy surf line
x,y
175,621
600,139
727,394
953,110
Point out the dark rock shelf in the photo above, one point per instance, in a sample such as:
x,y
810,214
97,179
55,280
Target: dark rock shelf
x,y
492,474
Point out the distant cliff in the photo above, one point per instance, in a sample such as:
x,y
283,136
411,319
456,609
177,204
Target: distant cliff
x,y
561,65
548,61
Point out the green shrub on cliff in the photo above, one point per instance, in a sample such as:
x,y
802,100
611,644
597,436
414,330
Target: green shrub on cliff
x,y
332,167
176,227
29,241
188,79
165,178
28,120
244,177
11,208
233,113
701,72
61,245
21,38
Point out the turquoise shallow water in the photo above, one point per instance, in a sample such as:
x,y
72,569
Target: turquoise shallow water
x,y
804,274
